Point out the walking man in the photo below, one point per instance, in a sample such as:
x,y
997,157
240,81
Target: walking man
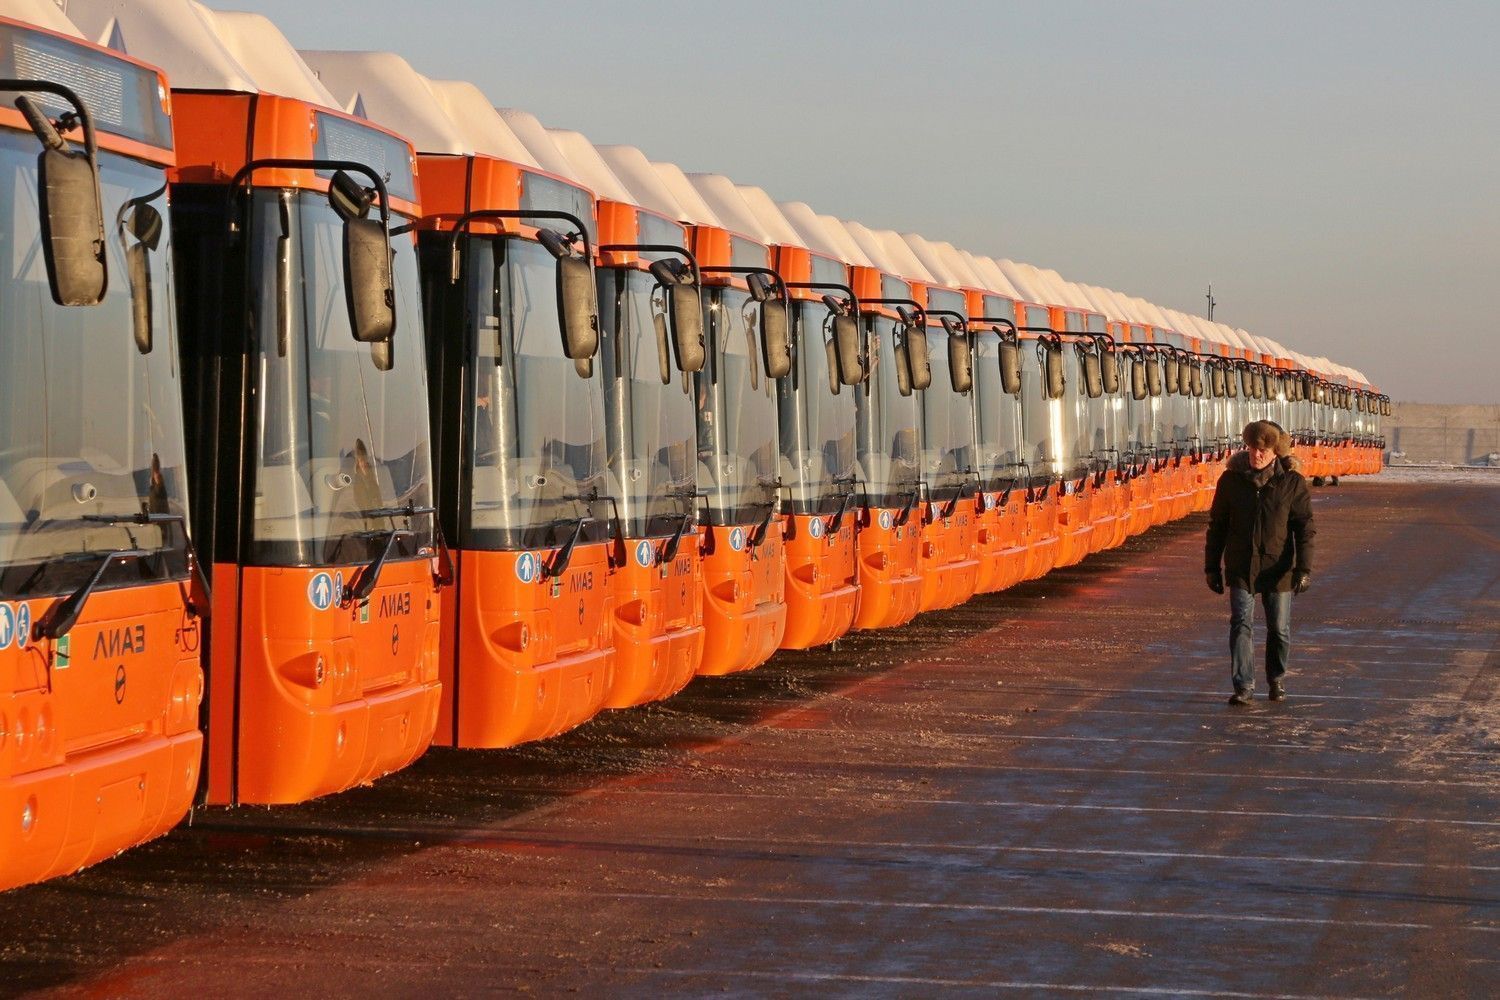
x,y
1260,542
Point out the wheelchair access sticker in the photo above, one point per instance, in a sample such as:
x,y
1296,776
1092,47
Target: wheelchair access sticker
x,y
815,527
526,567
887,519
23,625
7,625
989,501
737,539
643,553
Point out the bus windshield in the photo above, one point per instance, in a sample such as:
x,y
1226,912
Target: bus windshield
x,y
649,405
343,425
90,428
737,428
817,415
537,449
888,437
947,424
997,414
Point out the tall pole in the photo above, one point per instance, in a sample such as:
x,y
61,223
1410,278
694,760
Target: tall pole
x,y
1211,302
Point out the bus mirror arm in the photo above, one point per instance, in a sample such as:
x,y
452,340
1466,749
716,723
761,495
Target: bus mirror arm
x,y
758,533
911,501
60,618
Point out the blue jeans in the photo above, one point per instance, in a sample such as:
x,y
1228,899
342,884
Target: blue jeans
x,y
1242,636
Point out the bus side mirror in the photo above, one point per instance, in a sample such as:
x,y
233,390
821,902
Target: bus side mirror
x,y
1247,383
1109,363
846,348
775,324
960,363
1053,367
72,215
1010,367
1196,373
1153,377
1093,375
1231,384
916,357
368,283
684,306
578,307
1216,382
1174,372
1137,378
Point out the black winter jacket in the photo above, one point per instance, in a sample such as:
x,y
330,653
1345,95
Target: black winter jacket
x,y
1263,534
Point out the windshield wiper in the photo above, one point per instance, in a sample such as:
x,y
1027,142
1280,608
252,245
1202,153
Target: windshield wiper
x,y
758,534
911,501
838,518
63,615
558,564
362,585
200,599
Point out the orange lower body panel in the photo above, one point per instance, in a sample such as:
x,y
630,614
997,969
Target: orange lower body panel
x,y
821,589
1001,542
531,654
99,742
658,622
890,581
330,694
744,607
949,554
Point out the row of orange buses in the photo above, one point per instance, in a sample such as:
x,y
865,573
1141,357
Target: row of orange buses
x,y
345,414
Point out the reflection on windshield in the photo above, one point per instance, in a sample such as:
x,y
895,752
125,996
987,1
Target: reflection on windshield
x,y
538,447
888,422
817,415
89,426
340,439
947,427
737,446
652,432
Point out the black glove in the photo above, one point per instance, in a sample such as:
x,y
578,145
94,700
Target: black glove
x,y
1301,580
1215,581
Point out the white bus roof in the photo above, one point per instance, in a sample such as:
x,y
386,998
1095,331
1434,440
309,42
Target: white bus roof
x,y
772,218
844,239
995,279
383,88
719,193
932,259
202,49
637,175
695,210
588,167
42,13
471,111
535,137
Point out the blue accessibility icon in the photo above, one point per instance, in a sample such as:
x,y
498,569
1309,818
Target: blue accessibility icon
x,y
644,553
526,567
320,591
737,539
23,625
7,625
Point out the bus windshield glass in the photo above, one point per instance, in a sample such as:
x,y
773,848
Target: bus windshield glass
x,y
90,428
737,423
817,415
888,422
343,425
649,404
997,414
947,424
537,450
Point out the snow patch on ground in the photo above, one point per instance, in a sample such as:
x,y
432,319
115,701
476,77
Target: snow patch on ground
x,y
1436,474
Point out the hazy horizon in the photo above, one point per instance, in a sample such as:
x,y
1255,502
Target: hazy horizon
x,y
1332,168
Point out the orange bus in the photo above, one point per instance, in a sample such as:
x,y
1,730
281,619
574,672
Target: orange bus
x,y
747,343
300,323
950,525
100,629
816,407
888,428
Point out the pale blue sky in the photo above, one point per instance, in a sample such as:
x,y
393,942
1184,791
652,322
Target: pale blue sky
x,y
1332,167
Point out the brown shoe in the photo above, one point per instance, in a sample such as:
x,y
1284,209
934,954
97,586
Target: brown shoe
x,y
1240,697
1278,691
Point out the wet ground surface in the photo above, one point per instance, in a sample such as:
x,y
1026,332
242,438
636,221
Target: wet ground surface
x,y
1041,792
